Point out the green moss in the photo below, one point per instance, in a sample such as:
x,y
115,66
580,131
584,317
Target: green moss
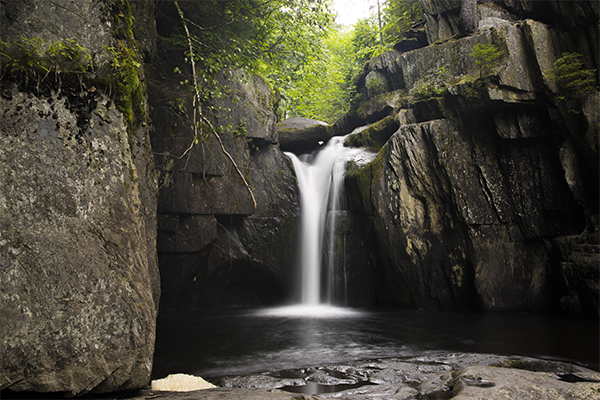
x,y
126,64
33,60
431,85
375,136
126,82
375,87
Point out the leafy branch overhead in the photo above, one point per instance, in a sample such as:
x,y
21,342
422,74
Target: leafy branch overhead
x,y
197,108
295,45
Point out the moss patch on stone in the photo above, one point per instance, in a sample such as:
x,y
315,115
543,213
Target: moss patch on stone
x,y
375,136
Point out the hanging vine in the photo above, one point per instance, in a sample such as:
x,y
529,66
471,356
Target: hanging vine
x,y
197,109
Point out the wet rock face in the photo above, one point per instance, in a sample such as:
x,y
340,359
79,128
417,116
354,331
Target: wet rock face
x,y
437,376
479,198
77,232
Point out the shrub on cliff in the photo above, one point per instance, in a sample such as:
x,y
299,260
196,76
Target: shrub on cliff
x,y
487,56
572,78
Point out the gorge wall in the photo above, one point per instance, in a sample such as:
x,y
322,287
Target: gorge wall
x,y
80,282
217,248
486,193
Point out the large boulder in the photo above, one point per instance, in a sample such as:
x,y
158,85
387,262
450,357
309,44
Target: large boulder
x,y
80,282
250,102
374,136
301,135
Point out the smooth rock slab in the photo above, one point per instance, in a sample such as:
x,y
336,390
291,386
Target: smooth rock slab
x,y
463,376
484,382
300,135
224,394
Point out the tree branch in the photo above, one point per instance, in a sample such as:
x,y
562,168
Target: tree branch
x,y
197,108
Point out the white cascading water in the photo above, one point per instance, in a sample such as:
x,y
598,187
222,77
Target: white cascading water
x,y
320,180
315,181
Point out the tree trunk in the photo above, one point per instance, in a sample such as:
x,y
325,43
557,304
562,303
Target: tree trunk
x,y
467,22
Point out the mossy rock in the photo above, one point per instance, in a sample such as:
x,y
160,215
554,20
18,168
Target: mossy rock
x,y
375,136
300,135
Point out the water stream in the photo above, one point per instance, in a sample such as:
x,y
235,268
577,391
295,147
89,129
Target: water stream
x,y
213,343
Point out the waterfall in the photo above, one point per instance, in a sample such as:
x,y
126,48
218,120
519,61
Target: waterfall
x,y
320,181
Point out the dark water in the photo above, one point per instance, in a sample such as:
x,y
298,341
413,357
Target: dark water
x,y
228,342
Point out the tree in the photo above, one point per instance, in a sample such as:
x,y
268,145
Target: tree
x,y
272,37
325,89
487,56
572,78
365,40
399,16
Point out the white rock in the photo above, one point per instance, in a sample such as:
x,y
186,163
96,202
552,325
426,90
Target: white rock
x,y
181,383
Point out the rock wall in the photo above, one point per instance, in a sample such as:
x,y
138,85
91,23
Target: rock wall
x,y
215,247
487,194
80,283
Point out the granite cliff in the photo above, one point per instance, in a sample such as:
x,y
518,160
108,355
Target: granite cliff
x,y
486,194
80,282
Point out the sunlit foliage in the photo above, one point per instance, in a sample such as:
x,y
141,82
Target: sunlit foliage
x,y
273,37
295,45
323,89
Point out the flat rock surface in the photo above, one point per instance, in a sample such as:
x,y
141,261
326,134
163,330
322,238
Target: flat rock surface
x,y
465,376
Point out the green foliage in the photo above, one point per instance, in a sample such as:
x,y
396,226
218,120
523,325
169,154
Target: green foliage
x,y
274,38
365,40
572,78
293,44
375,87
488,57
70,55
126,78
126,64
399,16
322,89
178,104
32,58
240,130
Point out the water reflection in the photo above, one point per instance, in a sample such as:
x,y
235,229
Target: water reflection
x,y
234,342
